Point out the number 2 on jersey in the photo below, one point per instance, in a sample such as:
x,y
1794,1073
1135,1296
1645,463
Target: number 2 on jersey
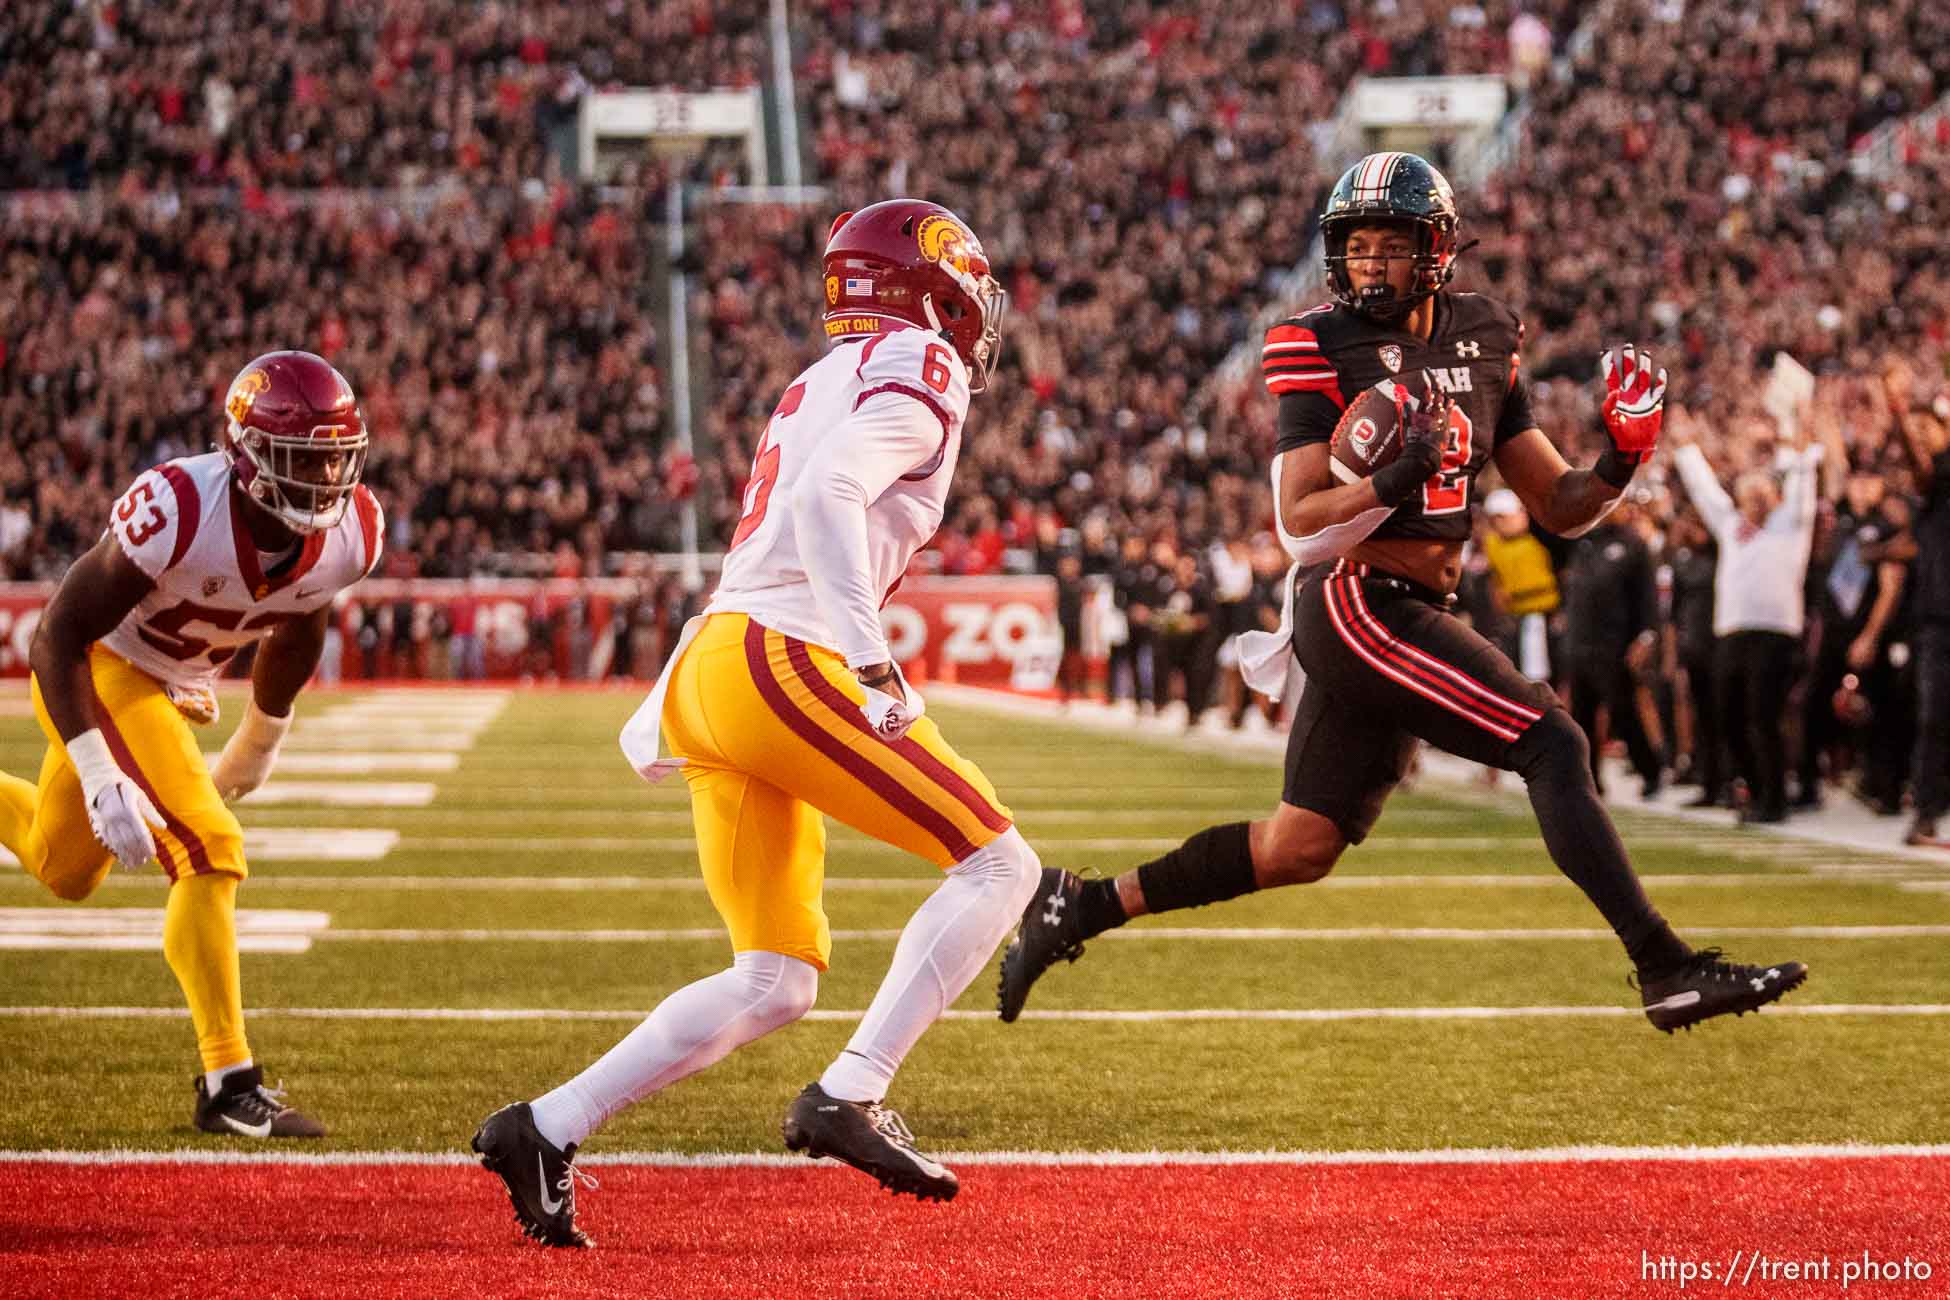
x,y
1447,490
765,469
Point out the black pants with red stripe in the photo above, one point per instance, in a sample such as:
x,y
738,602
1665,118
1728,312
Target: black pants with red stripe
x,y
1386,665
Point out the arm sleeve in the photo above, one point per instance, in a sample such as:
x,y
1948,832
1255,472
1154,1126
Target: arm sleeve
x,y
1709,498
155,520
890,434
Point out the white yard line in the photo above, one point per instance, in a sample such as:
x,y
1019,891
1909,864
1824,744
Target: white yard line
x,y
271,844
140,929
1142,934
358,763
1303,1015
908,884
1041,1159
345,794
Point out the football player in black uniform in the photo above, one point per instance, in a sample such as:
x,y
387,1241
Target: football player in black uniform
x,y
1377,560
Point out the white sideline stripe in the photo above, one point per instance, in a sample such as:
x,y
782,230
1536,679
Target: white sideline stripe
x,y
1044,1159
1304,1015
345,794
363,764
898,884
1141,934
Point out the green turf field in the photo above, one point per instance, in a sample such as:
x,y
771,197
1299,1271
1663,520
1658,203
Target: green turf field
x,y
543,876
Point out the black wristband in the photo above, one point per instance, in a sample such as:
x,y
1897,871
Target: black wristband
x,y
1396,482
881,680
1617,467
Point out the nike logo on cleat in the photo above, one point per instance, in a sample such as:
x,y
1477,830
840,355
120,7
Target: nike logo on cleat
x,y
248,1130
550,1205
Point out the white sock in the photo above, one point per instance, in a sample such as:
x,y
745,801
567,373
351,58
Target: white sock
x,y
944,947
692,1028
213,1079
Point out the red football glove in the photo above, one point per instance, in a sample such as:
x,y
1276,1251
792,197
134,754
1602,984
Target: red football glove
x,y
1635,402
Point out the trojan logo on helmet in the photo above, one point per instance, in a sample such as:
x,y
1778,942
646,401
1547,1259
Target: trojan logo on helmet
x,y
916,263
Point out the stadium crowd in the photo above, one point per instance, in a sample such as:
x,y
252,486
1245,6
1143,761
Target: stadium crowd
x,y
1142,175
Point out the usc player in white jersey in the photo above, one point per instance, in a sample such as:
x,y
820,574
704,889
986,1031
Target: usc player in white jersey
x,y
201,557
781,702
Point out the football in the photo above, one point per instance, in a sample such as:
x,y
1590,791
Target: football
x,y
1369,434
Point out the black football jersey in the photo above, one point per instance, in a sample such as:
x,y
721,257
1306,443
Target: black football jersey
x,y
1316,362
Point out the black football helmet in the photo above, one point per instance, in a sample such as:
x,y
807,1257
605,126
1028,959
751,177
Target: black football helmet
x,y
1386,188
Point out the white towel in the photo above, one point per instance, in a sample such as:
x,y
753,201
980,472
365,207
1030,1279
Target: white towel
x,y
1265,656
643,734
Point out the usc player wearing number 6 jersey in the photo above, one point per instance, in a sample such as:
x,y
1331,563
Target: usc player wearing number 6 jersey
x,y
781,703
201,557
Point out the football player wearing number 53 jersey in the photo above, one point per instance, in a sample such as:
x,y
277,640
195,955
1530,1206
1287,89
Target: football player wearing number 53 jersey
x,y
782,702
1376,562
201,557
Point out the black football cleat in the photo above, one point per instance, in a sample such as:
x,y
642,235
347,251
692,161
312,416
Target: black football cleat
x,y
540,1178
871,1137
1709,985
244,1107
1049,933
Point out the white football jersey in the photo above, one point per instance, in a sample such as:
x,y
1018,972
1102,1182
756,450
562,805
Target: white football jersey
x,y
181,525
849,481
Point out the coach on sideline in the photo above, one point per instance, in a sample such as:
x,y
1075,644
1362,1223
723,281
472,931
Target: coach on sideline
x,y
1765,532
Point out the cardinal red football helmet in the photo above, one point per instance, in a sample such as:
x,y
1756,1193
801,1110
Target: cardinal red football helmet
x,y
295,438
914,261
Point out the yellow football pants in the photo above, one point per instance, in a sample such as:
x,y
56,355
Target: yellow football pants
x,y
201,846
774,734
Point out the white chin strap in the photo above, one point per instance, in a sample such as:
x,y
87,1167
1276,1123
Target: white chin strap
x,y
927,309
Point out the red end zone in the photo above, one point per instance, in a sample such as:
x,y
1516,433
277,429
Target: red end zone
x,y
1540,1229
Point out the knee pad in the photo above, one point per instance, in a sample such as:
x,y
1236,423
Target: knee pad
x,y
1554,746
1006,862
780,989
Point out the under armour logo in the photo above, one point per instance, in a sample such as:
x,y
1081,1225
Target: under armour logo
x,y
1469,348
1760,984
1053,909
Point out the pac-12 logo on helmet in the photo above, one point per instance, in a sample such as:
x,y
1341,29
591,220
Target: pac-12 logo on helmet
x,y
913,261
295,438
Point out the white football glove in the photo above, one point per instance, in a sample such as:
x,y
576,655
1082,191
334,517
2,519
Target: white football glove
x,y
118,812
249,753
890,715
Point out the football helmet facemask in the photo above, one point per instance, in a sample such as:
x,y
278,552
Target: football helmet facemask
x,y
295,438
914,261
1391,189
